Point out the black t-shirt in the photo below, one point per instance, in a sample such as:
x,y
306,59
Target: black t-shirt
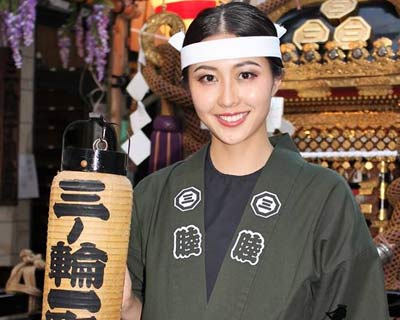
x,y
225,199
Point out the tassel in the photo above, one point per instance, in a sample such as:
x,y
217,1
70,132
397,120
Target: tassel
x,y
166,142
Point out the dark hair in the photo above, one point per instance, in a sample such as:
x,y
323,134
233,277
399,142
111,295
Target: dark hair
x,y
238,18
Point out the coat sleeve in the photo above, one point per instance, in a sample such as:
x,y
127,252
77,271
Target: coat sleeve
x,y
135,257
349,281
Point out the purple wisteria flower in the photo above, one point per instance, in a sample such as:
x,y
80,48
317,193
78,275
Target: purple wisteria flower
x,y
18,25
27,18
13,34
97,39
90,41
64,44
102,21
79,34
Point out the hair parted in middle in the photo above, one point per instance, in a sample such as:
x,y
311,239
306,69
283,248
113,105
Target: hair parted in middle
x,y
237,18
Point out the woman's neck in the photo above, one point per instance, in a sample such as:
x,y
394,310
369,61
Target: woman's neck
x,y
240,159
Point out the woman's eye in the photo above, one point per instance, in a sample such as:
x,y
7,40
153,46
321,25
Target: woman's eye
x,y
246,75
207,78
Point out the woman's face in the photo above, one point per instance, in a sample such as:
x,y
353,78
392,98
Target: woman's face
x,y
232,97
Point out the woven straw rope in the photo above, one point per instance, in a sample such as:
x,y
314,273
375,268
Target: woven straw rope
x,y
392,236
167,84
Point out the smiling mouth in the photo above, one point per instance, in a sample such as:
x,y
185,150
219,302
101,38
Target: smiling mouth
x,y
232,119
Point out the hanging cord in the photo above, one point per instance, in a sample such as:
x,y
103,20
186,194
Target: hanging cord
x,y
89,97
81,93
100,88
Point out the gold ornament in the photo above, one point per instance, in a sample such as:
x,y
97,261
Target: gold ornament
x,y
333,52
310,53
173,21
358,52
338,9
289,53
312,31
369,165
352,29
383,49
346,165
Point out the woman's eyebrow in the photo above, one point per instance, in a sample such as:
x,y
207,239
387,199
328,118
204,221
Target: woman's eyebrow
x,y
205,67
244,63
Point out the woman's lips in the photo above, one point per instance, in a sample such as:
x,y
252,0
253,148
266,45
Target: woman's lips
x,y
232,119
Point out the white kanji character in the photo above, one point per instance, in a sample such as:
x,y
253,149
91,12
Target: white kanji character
x,y
248,247
187,242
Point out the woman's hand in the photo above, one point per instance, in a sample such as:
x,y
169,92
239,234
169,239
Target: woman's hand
x,y
131,305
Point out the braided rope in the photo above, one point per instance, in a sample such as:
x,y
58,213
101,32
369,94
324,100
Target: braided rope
x,y
391,235
269,6
166,82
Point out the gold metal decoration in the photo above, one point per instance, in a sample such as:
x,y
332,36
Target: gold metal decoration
x,y
333,52
372,77
352,29
398,48
172,20
312,31
369,165
310,53
383,49
353,73
315,93
365,191
367,187
358,52
347,131
383,210
289,54
379,91
338,9
332,124
366,208
346,165
288,5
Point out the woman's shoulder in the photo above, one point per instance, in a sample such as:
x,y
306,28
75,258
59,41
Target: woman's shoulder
x,y
324,175
171,173
157,178
309,171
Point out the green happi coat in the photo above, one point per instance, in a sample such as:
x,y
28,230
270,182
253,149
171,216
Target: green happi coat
x,y
301,249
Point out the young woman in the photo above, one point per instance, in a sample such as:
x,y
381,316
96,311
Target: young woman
x,y
245,228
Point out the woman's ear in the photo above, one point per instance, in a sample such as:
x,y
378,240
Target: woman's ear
x,y
276,85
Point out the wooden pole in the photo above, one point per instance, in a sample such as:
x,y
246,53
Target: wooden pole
x,y
126,10
117,64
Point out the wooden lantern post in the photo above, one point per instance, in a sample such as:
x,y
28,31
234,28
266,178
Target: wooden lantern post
x,y
126,11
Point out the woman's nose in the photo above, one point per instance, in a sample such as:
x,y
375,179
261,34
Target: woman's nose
x,y
229,95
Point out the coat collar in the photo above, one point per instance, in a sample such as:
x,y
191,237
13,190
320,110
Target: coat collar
x,y
265,208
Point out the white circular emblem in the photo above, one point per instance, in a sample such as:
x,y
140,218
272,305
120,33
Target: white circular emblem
x,y
265,204
187,199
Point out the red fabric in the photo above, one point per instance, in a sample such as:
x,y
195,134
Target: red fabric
x,y
187,9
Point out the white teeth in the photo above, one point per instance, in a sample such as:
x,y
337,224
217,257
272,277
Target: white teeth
x,y
233,118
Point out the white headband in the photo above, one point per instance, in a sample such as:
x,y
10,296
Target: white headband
x,y
228,48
